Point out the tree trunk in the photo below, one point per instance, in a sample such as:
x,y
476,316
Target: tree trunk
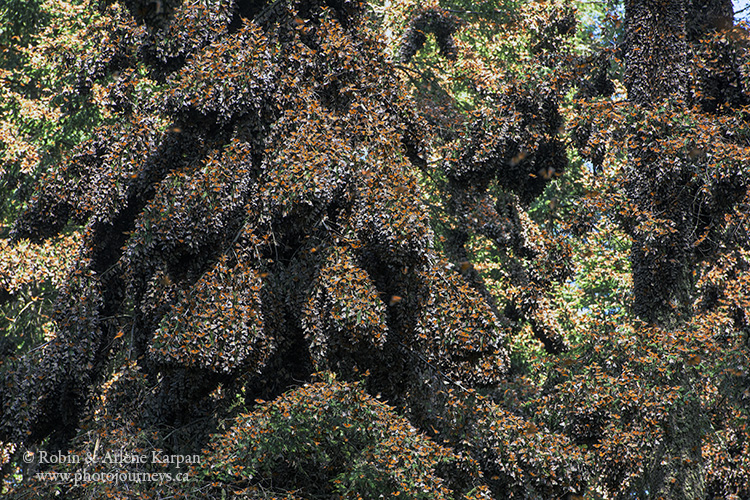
x,y
656,50
657,73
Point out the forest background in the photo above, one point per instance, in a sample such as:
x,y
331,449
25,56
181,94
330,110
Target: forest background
x,y
439,249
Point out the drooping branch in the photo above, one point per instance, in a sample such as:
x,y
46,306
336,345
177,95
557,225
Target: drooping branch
x,y
441,23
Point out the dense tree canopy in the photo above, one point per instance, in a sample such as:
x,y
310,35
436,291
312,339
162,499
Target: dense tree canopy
x,y
328,248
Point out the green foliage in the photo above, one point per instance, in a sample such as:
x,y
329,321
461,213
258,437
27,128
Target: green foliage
x,y
329,439
41,116
30,275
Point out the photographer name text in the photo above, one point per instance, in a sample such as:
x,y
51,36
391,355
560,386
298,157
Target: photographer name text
x,y
119,457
